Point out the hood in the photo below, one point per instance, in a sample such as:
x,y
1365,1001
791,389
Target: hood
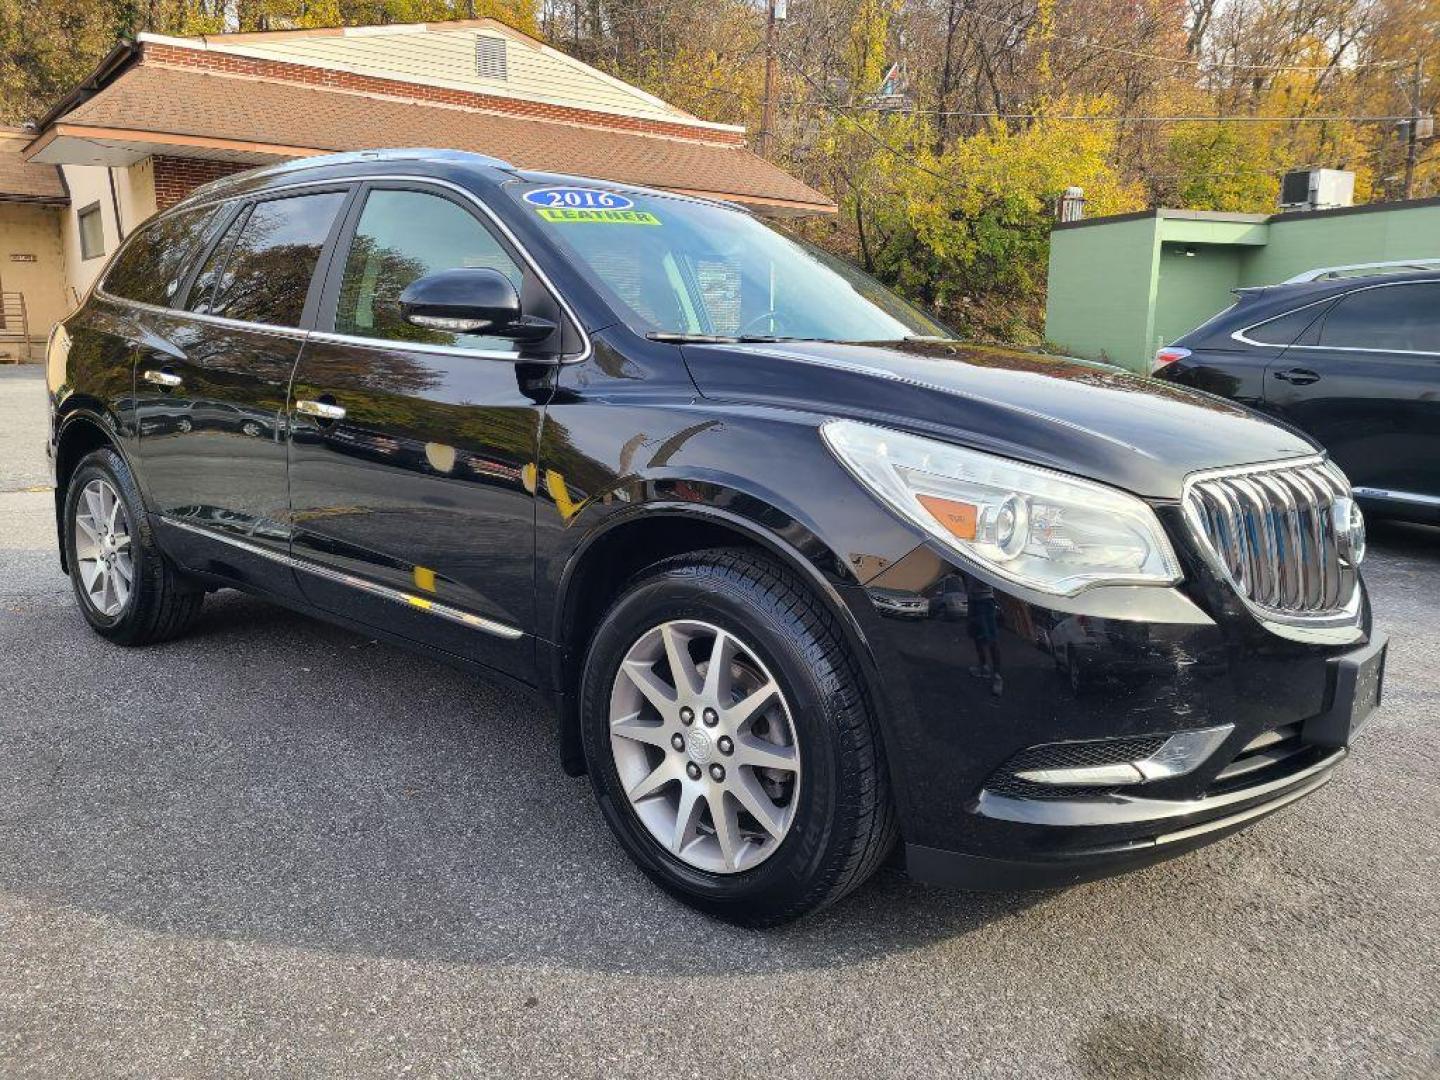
x,y
1093,420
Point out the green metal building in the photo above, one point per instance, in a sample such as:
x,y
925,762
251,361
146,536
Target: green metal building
x,y
1120,287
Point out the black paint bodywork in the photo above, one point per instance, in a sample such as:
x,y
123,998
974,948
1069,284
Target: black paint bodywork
x,y
523,491
1376,412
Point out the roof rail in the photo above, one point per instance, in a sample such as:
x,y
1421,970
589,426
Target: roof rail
x,y
357,157
1396,266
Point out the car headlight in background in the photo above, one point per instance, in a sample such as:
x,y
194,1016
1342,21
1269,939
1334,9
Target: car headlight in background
x,y
1041,529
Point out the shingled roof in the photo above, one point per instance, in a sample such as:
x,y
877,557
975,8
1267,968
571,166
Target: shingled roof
x,y
175,101
25,181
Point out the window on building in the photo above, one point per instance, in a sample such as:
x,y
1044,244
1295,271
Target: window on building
x,y
404,235
1403,318
150,267
92,232
266,274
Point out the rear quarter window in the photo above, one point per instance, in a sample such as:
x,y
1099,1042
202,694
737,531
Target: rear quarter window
x,y
1288,328
150,267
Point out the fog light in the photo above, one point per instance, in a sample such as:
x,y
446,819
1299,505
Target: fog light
x,y
1179,754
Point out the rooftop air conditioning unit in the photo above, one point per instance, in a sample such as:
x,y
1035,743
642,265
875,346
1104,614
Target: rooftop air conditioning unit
x,y
1317,189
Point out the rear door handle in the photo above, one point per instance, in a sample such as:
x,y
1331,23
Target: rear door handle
x,y
167,379
1298,376
321,410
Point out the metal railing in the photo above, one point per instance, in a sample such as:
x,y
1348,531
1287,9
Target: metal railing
x,y
15,323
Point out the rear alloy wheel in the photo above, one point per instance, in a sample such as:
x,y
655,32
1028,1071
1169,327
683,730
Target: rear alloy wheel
x,y
128,589
704,746
102,548
730,741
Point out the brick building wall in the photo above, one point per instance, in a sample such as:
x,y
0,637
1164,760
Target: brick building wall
x,y
176,177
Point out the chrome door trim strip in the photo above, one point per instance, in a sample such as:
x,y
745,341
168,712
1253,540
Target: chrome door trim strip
x,y
1395,496
424,603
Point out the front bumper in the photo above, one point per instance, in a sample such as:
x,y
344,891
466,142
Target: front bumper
x,y
1186,825
1152,663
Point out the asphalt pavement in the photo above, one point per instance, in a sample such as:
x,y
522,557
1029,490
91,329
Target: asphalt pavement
x,y
276,848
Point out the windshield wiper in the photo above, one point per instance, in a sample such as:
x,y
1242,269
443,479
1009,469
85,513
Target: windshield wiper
x,y
692,339
761,338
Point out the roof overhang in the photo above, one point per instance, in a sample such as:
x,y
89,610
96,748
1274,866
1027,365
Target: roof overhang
x,y
76,144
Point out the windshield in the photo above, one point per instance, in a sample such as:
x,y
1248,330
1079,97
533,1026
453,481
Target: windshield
x,y
682,270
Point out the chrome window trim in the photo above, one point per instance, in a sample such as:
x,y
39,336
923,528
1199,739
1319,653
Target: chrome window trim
x,y
423,603
326,335
1241,334
330,338
215,320
1341,627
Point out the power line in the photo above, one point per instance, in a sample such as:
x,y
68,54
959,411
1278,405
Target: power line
x,y
1219,118
1190,60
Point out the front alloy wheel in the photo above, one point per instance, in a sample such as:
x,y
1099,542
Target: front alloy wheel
x,y
730,740
704,746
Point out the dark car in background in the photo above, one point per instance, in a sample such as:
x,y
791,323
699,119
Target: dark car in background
x,y
1354,362
790,563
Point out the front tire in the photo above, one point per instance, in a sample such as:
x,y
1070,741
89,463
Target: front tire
x,y
730,742
127,588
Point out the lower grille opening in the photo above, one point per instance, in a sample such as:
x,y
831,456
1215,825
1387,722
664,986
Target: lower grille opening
x,y
1269,755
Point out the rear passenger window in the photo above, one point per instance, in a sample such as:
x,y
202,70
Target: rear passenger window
x,y
264,275
1403,318
404,235
1286,329
150,267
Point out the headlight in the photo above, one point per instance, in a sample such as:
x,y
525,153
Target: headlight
x,y
1041,529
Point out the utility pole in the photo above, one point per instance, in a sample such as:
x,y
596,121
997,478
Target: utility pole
x,y
1412,139
762,141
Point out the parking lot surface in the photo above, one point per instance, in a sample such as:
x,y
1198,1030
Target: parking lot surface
x,y
276,848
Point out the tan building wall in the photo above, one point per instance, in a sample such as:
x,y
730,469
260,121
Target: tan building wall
x,y
90,185
450,55
31,264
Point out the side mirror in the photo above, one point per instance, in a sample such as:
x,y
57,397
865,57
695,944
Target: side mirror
x,y
470,300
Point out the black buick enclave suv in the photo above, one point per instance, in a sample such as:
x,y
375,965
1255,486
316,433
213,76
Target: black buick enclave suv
x,y
801,575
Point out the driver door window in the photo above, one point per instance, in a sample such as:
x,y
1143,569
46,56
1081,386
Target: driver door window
x,y
402,236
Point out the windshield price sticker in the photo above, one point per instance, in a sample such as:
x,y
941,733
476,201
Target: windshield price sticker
x,y
577,199
608,217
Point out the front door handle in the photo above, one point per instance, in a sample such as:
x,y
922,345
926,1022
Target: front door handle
x,y
167,379
1298,376
321,410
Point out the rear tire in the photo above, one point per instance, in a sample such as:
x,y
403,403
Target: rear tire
x,y
127,588
833,821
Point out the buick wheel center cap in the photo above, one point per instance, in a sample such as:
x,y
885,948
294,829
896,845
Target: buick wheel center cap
x,y
698,746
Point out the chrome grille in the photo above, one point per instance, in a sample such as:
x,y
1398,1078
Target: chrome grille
x,y
1280,533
